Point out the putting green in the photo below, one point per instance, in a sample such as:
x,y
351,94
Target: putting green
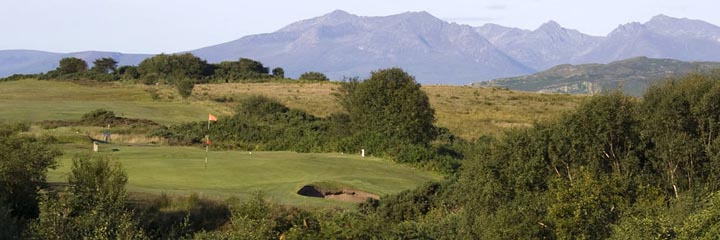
x,y
181,170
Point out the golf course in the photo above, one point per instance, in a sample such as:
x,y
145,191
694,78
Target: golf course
x,y
181,171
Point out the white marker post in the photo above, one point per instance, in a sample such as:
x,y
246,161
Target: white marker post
x,y
95,146
362,152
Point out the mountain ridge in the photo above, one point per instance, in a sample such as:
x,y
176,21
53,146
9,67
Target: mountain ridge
x,y
341,44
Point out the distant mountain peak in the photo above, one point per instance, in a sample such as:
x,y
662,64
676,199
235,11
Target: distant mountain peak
x,y
421,16
333,18
628,29
338,15
661,17
339,12
550,25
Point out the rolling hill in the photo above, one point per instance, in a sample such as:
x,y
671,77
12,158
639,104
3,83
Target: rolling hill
x,y
632,76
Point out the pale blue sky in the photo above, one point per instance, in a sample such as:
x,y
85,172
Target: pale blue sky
x,y
155,26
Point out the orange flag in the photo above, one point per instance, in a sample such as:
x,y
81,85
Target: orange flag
x,y
212,118
207,141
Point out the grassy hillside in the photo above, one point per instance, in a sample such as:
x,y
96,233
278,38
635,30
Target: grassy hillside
x,y
33,100
468,112
633,76
181,170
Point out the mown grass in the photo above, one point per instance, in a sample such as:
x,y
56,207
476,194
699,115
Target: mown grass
x,y
34,100
181,171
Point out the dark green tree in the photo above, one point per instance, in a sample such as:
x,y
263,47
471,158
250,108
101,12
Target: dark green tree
x,y
24,162
389,105
249,65
94,206
174,67
230,71
185,87
314,76
72,65
104,65
586,208
278,72
128,72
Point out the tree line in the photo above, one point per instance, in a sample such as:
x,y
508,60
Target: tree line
x,y
181,70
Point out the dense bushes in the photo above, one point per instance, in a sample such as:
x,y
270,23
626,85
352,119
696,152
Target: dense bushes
x,y
93,207
614,164
261,123
313,76
24,162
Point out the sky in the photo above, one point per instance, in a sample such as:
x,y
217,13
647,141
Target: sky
x,y
166,26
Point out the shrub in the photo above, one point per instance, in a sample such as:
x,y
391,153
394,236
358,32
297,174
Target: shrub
x,y
314,76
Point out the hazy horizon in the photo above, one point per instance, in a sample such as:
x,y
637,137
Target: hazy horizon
x,y
136,26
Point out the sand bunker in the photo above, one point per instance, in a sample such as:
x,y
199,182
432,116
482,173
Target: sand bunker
x,y
346,195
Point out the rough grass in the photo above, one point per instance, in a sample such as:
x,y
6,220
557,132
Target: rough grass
x,y
469,112
181,171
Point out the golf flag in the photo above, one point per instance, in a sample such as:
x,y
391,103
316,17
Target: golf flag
x,y
212,118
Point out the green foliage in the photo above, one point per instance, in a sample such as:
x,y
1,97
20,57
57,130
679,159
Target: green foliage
x,y
391,105
585,207
24,162
98,116
104,65
278,72
241,70
128,72
185,87
313,76
72,65
94,206
9,227
261,123
705,223
172,68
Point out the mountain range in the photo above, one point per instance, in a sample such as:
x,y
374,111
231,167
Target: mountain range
x,y
341,44
631,76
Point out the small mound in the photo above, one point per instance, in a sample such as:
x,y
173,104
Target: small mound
x,y
345,195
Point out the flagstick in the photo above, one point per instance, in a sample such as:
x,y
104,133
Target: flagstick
x,y
207,146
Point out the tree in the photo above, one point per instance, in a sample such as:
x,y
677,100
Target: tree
x,y
24,162
244,68
72,65
389,105
586,208
128,72
705,223
278,72
314,76
185,87
249,65
94,206
173,67
104,65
